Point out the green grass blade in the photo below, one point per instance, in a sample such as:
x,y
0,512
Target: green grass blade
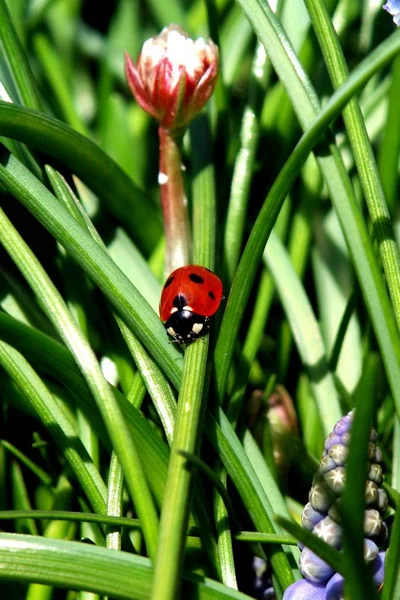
x,y
362,150
357,575
56,422
241,471
120,435
341,193
17,60
191,409
122,294
86,160
305,330
74,565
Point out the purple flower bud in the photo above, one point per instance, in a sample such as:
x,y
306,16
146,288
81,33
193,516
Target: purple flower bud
x,y
322,515
378,569
310,517
321,497
371,450
378,455
375,473
371,493
344,424
313,567
305,590
332,440
371,550
335,480
372,522
339,453
335,588
329,531
327,464
393,8
346,438
334,511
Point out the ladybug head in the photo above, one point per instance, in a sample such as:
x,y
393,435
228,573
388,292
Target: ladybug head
x,y
186,326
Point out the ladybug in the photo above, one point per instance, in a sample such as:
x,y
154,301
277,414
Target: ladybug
x,y
190,296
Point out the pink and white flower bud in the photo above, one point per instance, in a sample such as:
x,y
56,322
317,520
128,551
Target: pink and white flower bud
x,y
174,76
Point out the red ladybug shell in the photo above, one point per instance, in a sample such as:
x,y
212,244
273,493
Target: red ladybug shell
x,y
200,286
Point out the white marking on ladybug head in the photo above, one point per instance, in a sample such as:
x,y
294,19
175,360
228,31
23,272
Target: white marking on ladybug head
x,y
162,178
173,310
197,327
171,331
189,308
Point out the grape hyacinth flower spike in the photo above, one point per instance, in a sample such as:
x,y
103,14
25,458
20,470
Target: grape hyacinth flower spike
x,y
321,516
393,8
172,80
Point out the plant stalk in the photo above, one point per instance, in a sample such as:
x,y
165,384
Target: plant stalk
x,y
173,202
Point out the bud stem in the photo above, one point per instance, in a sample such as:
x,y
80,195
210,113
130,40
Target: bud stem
x,y
173,202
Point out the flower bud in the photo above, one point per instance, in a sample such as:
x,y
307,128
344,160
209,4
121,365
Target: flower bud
x,y
174,76
322,516
393,8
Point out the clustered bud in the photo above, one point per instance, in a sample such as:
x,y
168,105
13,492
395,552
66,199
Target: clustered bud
x,y
321,515
174,76
172,80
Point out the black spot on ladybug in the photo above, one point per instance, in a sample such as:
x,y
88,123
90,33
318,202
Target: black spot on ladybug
x,y
196,278
180,301
168,282
212,295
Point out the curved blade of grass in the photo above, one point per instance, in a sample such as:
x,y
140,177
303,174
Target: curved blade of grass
x,y
390,145
268,482
341,193
23,458
55,360
115,482
191,408
17,60
58,313
305,330
333,276
235,37
255,499
80,566
63,515
244,163
265,538
158,387
86,160
115,501
56,77
224,533
57,424
362,150
94,260
21,500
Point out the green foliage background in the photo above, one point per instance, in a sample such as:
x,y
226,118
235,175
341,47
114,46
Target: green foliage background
x,y
292,179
